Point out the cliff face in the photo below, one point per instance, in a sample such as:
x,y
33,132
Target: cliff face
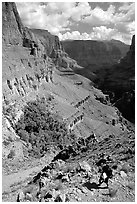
x,y
12,28
93,54
29,58
122,75
14,33
49,41
24,46
120,79
129,59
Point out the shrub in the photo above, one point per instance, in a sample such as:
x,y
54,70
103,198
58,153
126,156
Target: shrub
x,y
42,128
23,135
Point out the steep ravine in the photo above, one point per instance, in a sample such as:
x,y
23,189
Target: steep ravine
x,y
120,79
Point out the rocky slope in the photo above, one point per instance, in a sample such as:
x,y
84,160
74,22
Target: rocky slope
x,y
39,85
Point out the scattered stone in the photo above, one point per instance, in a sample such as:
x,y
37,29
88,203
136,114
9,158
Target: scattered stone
x,y
125,168
65,178
28,197
131,185
79,191
49,194
112,192
78,198
84,166
60,198
20,197
84,190
59,163
123,174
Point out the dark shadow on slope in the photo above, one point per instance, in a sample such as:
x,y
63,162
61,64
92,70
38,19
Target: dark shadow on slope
x,y
112,193
93,185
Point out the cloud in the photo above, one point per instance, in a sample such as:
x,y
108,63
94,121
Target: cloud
x,y
52,16
102,33
98,33
72,19
126,27
80,10
131,27
75,35
100,17
127,6
125,17
35,15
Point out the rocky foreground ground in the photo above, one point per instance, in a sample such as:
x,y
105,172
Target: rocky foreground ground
x,y
72,174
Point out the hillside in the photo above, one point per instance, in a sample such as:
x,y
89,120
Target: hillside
x,y
56,125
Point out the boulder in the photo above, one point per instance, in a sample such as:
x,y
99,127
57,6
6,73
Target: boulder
x,y
112,192
60,198
123,174
20,197
65,178
84,166
28,197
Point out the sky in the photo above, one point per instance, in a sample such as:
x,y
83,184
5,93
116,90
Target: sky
x,y
81,20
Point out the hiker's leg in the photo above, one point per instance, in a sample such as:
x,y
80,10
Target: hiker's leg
x,y
106,181
101,180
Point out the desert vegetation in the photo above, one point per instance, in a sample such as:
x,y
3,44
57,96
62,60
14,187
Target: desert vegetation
x,y
39,128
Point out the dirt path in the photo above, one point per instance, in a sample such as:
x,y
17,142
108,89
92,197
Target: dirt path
x,y
12,183
15,178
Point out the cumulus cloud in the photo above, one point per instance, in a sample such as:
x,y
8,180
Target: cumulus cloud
x,y
75,35
100,17
98,33
127,6
110,16
102,33
54,16
116,22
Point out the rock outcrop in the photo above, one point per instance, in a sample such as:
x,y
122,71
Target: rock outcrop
x,y
12,28
40,42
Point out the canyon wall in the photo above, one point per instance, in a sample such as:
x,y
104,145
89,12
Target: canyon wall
x,y
91,54
121,76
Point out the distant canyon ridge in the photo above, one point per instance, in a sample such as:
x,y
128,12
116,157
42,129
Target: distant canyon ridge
x,y
110,64
90,54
